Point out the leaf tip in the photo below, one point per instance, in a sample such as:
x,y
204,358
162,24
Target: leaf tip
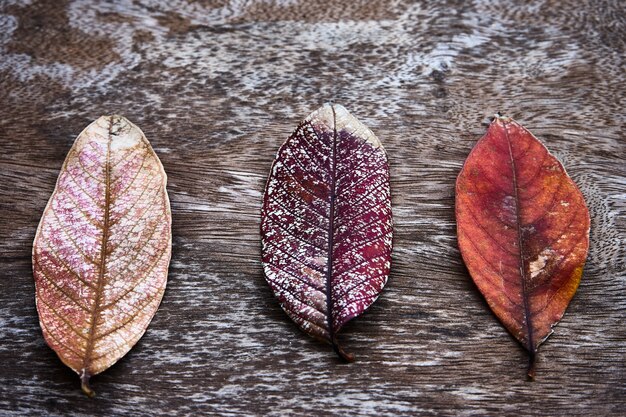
x,y
338,108
501,118
84,384
344,120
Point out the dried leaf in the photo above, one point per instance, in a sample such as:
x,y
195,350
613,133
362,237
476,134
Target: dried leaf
x,y
326,223
103,247
523,230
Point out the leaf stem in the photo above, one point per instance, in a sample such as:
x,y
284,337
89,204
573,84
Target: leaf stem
x,y
84,384
532,360
348,357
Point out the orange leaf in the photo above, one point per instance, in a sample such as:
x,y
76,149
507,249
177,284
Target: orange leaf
x,y
523,230
103,247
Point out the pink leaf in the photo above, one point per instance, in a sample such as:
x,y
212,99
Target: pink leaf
x,y
103,247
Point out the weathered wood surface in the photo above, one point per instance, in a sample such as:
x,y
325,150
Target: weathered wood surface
x,y
217,87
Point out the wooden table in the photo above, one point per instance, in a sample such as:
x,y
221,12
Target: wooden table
x,y
217,86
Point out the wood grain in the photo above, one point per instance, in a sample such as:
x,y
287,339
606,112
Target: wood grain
x,y
217,87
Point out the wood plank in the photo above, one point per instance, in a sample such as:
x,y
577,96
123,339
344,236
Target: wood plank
x,y
217,87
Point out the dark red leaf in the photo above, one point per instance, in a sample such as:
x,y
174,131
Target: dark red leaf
x,y
326,223
523,230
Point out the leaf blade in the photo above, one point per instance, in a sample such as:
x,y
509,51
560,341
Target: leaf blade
x,y
523,231
328,171
97,231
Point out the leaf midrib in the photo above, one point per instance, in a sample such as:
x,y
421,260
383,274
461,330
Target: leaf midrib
x,y
103,251
331,234
522,266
